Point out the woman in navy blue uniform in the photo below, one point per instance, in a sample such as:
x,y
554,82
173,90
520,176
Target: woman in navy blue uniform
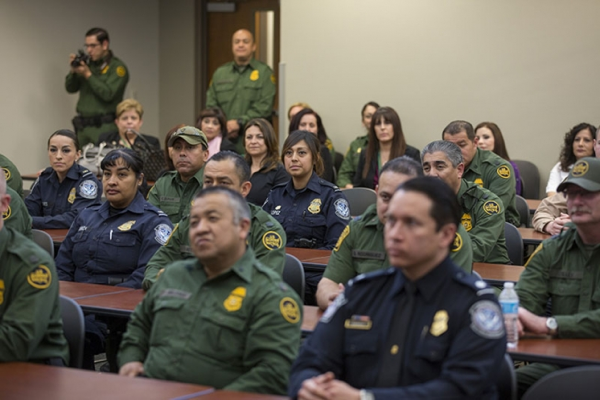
x,y
112,243
312,211
63,189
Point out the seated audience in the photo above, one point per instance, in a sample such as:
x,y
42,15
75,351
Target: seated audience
x,y
312,211
129,121
552,215
485,168
483,212
262,154
423,329
173,192
213,124
12,175
30,322
64,188
16,215
308,120
267,237
360,248
578,143
559,288
386,142
489,137
352,157
223,319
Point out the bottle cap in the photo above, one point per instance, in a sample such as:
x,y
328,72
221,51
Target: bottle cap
x,y
509,285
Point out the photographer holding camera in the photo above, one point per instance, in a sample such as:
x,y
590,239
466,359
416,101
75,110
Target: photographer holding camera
x,y
100,78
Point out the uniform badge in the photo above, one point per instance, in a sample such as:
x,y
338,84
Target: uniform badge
x,y
6,214
487,320
276,211
358,150
458,243
465,220
71,197
126,226
360,322
345,233
579,169
289,310
105,70
339,301
272,241
162,233
235,299
439,324
1,291
88,189
503,171
491,207
478,182
40,278
273,79
315,206
6,173
342,209
254,75
121,71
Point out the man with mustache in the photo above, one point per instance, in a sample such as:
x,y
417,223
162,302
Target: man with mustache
x,y
564,270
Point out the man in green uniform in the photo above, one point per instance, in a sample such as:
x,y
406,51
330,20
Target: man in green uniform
x,y
174,191
16,215
101,83
564,269
30,323
485,168
12,175
267,237
483,212
224,320
243,88
361,246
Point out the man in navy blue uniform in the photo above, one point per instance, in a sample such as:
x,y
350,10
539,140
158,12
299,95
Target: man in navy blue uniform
x,y
424,329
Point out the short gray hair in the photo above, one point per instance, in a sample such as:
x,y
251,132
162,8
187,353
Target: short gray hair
x,y
237,203
451,150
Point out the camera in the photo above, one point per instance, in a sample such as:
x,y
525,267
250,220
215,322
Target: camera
x,y
81,56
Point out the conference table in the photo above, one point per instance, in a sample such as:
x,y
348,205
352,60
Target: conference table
x,y
533,204
565,352
57,235
532,237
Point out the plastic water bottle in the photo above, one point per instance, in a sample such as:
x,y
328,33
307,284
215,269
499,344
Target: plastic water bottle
x,y
509,301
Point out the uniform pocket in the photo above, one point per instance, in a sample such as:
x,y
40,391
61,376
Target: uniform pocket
x,y
227,336
167,319
122,247
565,287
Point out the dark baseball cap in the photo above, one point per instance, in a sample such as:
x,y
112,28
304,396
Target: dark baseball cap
x,y
191,135
585,174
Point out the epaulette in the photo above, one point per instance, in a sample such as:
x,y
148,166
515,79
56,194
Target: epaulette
x,y
370,276
335,188
279,185
47,171
471,281
85,172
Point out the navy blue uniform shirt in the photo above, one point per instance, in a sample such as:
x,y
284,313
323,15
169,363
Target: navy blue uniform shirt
x,y
54,205
105,249
453,349
312,217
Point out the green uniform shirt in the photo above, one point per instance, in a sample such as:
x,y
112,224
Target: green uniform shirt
x,y
266,237
12,175
243,93
350,163
490,171
17,216
361,249
30,322
483,218
99,94
565,270
174,196
238,331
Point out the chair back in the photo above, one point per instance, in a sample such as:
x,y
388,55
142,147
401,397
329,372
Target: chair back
x,y
337,161
74,330
293,275
523,210
514,243
581,383
531,179
44,240
506,380
359,199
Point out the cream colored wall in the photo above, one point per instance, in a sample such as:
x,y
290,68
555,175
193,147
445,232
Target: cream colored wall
x,y
531,67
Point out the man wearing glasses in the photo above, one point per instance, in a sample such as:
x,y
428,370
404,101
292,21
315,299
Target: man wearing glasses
x,y
100,78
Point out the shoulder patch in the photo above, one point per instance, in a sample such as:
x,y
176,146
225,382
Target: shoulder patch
x,y
1,291
40,278
7,174
458,243
339,301
6,214
503,172
487,320
272,240
289,310
345,233
162,233
273,79
88,189
121,71
342,209
491,207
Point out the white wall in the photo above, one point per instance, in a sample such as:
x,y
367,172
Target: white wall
x,y
530,66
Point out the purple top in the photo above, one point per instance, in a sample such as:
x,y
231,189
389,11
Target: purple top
x,y
519,185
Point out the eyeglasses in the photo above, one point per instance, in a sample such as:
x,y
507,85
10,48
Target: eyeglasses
x,y
93,45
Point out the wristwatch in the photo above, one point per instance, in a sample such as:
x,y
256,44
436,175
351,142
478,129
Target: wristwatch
x,y
366,395
552,326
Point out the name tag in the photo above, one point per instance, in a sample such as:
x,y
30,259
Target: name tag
x,y
166,199
368,255
180,294
185,249
361,322
557,273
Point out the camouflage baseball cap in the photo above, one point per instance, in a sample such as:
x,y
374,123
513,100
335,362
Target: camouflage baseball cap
x,y
585,174
191,135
